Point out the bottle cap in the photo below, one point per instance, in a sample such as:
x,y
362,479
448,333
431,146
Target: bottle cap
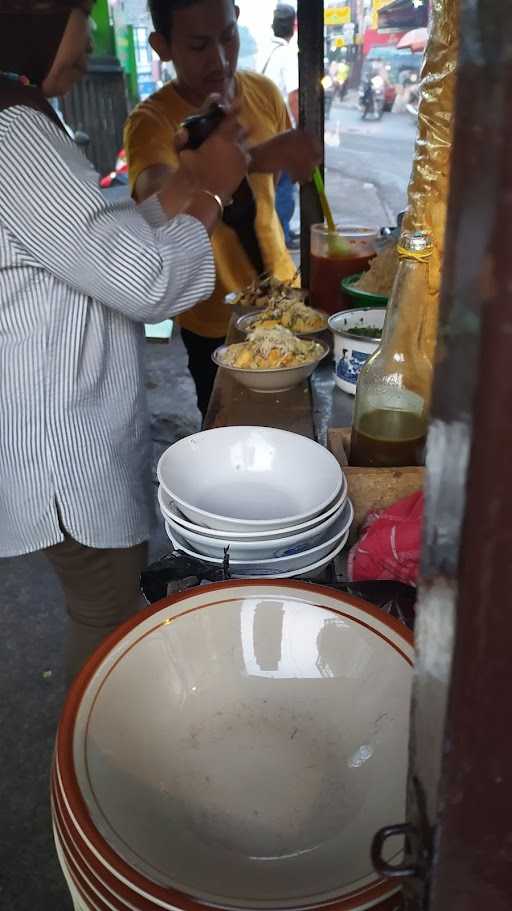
x,y
416,244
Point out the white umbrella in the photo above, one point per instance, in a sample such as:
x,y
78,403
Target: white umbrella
x,y
415,40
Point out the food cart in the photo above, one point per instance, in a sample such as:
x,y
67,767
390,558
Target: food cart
x,y
461,746
149,722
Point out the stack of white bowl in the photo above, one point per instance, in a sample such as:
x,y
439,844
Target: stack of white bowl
x,y
275,501
236,747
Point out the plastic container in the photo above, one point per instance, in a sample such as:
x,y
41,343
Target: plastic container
x,y
359,297
334,256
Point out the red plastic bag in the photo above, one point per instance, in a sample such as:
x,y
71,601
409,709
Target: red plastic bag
x,y
390,543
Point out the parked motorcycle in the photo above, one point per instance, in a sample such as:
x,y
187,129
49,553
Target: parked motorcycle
x,y
371,97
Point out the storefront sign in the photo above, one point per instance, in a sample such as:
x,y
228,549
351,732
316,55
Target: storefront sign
x,y
376,6
337,15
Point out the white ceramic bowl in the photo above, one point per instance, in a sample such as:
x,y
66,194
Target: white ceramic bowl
x,y
260,571
352,351
244,750
170,510
289,559
249,478
312,570
79,903
249,551
278,379
281,568
90,880
246,322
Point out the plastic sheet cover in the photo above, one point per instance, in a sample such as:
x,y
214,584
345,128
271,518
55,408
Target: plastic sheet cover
x,y
429,184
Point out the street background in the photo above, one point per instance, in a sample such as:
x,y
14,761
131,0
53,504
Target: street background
x,y
368,164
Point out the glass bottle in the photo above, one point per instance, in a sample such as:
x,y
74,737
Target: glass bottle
x,y
393,389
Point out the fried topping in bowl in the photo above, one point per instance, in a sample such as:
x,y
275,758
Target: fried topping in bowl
x,y
268,349
293,315
264,291
380,276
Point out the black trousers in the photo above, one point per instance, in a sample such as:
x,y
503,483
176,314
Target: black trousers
x,y
203,370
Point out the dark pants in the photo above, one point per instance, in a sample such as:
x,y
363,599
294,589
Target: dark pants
x,y
285,203
203,370
101,589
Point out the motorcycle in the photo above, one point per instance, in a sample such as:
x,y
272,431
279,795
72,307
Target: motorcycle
x,y
371,97
335,86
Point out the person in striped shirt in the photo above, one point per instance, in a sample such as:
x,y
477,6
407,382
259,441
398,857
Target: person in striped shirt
x,y
79,277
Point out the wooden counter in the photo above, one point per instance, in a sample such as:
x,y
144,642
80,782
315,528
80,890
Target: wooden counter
x,y
310,409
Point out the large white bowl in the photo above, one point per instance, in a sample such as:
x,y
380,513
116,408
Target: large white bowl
x,y
277,379
170,510
258,551
245,750
249,478
289,560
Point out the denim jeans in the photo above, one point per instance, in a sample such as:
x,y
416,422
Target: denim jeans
x,y
285,203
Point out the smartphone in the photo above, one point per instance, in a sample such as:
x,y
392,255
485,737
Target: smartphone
x,y
200,126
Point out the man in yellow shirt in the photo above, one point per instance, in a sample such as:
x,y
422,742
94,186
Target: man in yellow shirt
x,y
201,38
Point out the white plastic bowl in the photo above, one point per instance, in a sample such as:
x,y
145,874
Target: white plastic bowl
x,y
249,551
288,561
249,478
275,725
170,510
277,379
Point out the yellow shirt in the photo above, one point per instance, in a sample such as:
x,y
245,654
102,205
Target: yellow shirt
x,y
149,140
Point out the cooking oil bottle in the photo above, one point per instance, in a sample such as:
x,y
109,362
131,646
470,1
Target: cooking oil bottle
x,y
393,390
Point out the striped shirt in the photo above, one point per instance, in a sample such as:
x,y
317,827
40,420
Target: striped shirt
x,y
78,279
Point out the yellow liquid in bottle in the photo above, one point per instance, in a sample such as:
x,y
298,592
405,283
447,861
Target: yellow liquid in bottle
x,y
388,438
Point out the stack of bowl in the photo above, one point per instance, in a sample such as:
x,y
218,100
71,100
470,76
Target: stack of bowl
x,y
236,747
275,501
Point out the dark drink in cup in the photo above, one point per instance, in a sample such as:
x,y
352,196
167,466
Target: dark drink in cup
x,y
335,256
326,274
